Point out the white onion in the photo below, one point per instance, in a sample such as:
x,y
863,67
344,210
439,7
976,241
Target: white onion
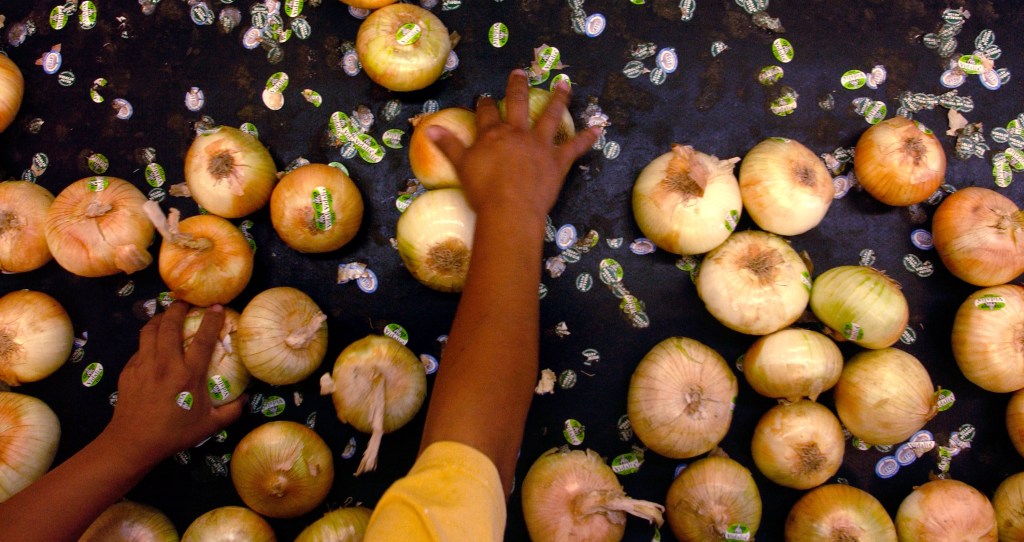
x,y
229,524
435,238
23,209
786,188
860,304
29,434
130,522
793,363
227,377
988,338
430,166
681,398
36,336
713,498
12,90
1008,502
798,445
899,161
836,513
341,525
282,336
403,47
1015,420
536,102
316,208
979,235
229,172
946,511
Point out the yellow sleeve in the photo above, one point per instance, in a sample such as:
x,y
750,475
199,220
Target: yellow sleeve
x,y
452,494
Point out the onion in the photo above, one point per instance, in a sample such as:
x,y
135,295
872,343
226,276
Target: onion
x,y
403,47
1008,502
754,283
860,304
979,235
430,166
229,524
838,512
282,469
29,434
341,525
687,202
899,161
96,227
435,238
536,102
798,445
713,498
23,209
204,259
1015,420
574,495
988,338
946,511
229,172
227,376
786,188
368,4
884,396
282,336
12,89
131,521
681,398
35,336
316,208
793,363
377,385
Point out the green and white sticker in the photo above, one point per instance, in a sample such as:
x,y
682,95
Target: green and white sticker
x,y
98,163
990,303
312,97
220,388
853,332
408,34
87,15
272,406
782,50
944,399
293,8
737,531
368,148
548,58
58,18
155,175
98,184
769,75
323,208
184,400
574,432
971,64
277,82
611,271
397,333
92,374
853,79
393,138
627,463
497,35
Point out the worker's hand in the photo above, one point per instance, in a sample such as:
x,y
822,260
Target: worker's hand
x,y
511,168
147,416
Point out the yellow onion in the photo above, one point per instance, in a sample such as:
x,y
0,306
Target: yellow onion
x,y
403,47
1008,502
798,445
860,304
713,498
838,512
946,511
681,398
377,385
988,338
537,101
754,283
574,495
793,363
1015,420
435,238
29,434
368,4
96,227
282,469
23,209
885,396
131,521
316,208
35,336
229,172
341,525
979,235
282,336
430,166
229,524
687,202
786,188
899,161
227,376
12,89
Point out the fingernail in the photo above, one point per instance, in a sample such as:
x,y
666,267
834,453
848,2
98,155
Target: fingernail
x,y
217,308
519,72
434,133
562,85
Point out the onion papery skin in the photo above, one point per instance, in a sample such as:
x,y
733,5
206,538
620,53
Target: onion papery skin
x,y
12,90
979,235
687,202
798,445
215,273
229,172
681,398
294,217
227,376
341,525
435,239
988,338
568,496
282,469
793,363
399,67
946,511
368,4
838,513
97,246
884,396
785,187
430,166
537,101
861,305
129,521
23,210
754,283
264,329
712,496
229,524
36,336
29,434
899,162
1008,502
1015,420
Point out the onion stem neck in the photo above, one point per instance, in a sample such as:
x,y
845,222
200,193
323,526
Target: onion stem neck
x,y
377,408
300,338
603,501
685,175
97,209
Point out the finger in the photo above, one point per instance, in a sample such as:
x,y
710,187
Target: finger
x,y
487,114
168,340
549,120
517,100
569,151
197,359
449,145
147,337
226,415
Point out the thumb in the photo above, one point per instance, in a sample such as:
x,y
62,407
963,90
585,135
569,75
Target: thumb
x,y
450,145
224,415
